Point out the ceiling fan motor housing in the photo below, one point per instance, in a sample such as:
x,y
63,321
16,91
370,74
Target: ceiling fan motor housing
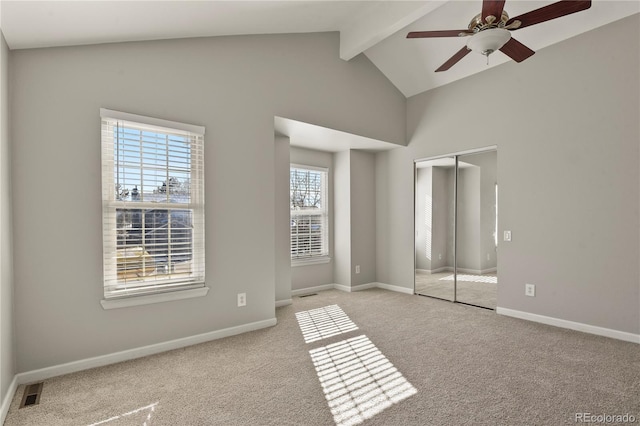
x,y
478,24
489,40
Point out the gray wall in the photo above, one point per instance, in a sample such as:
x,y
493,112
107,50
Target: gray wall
x,y
442,214
568,171
424,218
282,250
314,275
450,191
468,230
234,86
342,217
354,217
363,217
487,163
7,362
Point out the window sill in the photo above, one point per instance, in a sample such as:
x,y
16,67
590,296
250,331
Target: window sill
x,y
310,261
153,298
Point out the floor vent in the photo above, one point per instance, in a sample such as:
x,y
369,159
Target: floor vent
x,y
31,395
309,295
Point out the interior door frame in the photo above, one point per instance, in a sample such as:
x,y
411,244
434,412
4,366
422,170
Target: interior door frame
x,y
455,155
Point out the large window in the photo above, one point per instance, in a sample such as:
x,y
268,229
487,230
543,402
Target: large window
x,y
153,205
309,213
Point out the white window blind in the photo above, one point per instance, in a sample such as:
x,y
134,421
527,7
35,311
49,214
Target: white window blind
x,y
309,212
153,205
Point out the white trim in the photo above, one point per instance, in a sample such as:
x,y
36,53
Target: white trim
x,y
302,261
129,354
8,397
303,291
460,270
285,302
395,288
342,288
158,122
126,302
361,287
571,325
468,151
308,167
354,288
309,290
468,271
437,270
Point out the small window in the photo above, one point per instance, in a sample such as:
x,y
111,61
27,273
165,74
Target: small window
x,y
153,205
309,213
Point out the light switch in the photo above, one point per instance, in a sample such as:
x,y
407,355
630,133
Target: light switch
x,y
507,235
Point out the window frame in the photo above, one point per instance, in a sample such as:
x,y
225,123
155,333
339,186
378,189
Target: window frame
x,y
117,292
325,256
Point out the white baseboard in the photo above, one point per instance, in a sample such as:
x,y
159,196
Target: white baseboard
x,y
284,302
342,288
468,271
8,397
366,286
476,271
437,270
99,361
460,270
571,325
354,288
308,290
394,288
348,289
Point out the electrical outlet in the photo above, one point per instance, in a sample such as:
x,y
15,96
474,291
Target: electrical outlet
x,y
530,290
242,299
439,256
357,269
507,235
488,256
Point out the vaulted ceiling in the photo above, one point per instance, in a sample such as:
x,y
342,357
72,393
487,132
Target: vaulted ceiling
x,y
375,28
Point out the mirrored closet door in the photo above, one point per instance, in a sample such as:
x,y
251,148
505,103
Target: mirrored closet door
x,y
456,228
434,227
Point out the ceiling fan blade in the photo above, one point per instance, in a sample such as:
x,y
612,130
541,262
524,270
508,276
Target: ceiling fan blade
x,y
552,11
516,50
443,33
454,59
492,8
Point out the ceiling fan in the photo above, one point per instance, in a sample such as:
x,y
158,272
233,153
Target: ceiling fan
x,y
491,29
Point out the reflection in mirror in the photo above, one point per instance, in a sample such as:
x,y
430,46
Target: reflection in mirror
x,y
476,230
435,227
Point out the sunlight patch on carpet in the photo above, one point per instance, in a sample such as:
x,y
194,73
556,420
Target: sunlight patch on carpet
x,y
473,278
320,323
141,416
358,380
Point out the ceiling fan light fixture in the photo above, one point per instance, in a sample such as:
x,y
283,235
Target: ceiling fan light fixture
x,y
488,41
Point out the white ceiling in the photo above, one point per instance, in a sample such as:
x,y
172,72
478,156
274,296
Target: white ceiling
x,y
375,28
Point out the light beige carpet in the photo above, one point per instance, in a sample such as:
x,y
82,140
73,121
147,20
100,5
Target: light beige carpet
x,y
467,366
